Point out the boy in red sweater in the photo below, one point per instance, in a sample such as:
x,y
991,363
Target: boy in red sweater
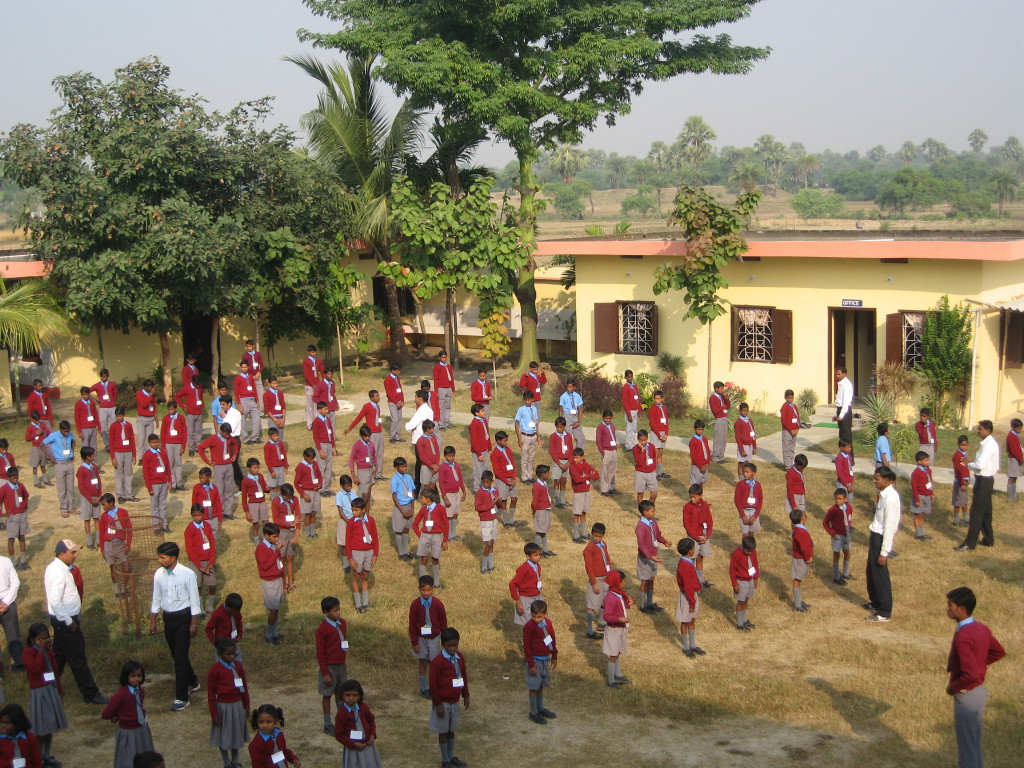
x,y
271,571
427,620
700,454
14,506
504,467
803,553
448,682
201,548
226,622
540,652
533,381
486,503
645,477
744,573
581,474
452,490
961,481
363,547
795,490
479,443
606,447
87,419
375,423
115,529
616,634
90,488
274,406
173,437
325,444
688,604
746,439
699,526
844,468
598,564
428,450
921,492
431,527
331,651
541,506
309,483
526,584
560,448
648,537
275,456
38,457
838,524
254,494
1014,458
206,493
285,516
748,499
157,475
926,433
657,418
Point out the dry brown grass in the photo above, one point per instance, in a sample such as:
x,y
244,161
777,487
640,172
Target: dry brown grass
x,y
823,688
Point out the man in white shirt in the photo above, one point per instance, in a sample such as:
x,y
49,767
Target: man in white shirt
x,y
883,530
415,425
233,418
176,594
844,407
985,466
64,604
9,585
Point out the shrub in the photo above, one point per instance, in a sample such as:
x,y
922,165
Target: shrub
x,y
807,401
599,392
640,204
670,364
677,398
646,383
812,204
875,408
894,380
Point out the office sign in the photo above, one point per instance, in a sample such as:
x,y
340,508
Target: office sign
x,y
853,303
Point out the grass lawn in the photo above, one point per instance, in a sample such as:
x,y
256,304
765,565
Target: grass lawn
x,y
945,445
822,688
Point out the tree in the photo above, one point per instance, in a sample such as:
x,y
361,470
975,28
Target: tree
x,y
946,354
695,139
568,160
1012,151
772,154
150,201
910,188
877,154
813,204
934,149
30,318
660,154
535,77
807,166
908,152
350,134
977,139
642,203
746,176
1006,186
617,167
567,199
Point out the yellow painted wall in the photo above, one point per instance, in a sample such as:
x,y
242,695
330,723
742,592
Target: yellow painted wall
x,y
807,287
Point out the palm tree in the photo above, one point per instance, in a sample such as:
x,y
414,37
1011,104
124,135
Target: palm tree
x,y
617,166
695,139
1013,152
807,166
660,154
568,160
350,133
908,152
977,139
746,176
934,149
1005,185
30,318
772,154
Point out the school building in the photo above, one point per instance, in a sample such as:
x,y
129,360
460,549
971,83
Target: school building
x,y
799,306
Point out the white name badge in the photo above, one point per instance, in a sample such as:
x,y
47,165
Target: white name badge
x,y
662,420
751,571
457,682
531,425
89,418
277,758
926,485
368,460
548,640
18,498
111,532
752,435
106,397
67,451
794,421
611,443
587,482
206,545
207,503
367,540
234,633
258,495
649,461
508,467
494,510
248,388
539,583
705,525
428,524
94,481
49,677
289,518
344,645
159,467
226,456
279,563
173,432
751,500
355,735
398,390
239,684
931,440
125,442
426,629
315,482
572,411
18,762
726,410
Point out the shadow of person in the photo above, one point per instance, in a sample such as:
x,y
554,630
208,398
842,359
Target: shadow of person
x,y
574,596
865,718
504,622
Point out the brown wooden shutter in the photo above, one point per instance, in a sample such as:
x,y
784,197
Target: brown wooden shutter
x,y
654,328
1014,330
894,338
606,327
782,336
734,334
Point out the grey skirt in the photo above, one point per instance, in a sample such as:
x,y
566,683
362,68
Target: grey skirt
x,y
233,731
130,742
46,710
367,757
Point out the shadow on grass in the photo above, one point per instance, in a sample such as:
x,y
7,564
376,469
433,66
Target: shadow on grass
x,y
573,595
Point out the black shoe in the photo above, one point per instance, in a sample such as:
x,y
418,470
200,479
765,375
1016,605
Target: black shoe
x,y
699,651
591,635
656,608
868,607
689,654
329,730
550,553
277,639
748,625
848,577
985,543
614,685
194,687
98,699
894,554
456,763
547,713
646,609
742,627
622,680
923,537
963,548
538,719
841,582
425,693
706,584
17,667
804,608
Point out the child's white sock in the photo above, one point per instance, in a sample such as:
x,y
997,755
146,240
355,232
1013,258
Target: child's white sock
x,y
436,570
366,597
357,599
453,527
797,600
611,672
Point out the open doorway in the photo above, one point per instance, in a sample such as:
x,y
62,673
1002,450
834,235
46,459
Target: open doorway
x,y
196,336
852,342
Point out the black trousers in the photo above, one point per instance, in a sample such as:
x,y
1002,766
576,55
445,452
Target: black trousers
x,y
176,626
846,427
69,650
879,585
9,621
981,513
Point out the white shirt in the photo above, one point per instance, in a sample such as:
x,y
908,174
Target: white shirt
x,y
415,425
887,517
62,598
844,396
9,581
234,417
175,591
986,462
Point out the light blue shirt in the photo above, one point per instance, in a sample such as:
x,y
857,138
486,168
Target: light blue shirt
x,y
404,488
571,401
965,622
882,448
343,500
61,446
528,419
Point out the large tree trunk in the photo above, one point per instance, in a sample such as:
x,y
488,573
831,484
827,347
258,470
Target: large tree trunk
x,y
397,349
165,361
451,338
525,290
421,322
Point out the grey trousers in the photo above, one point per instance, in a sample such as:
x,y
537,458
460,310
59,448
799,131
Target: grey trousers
x,y
609,463
64,477
158,502
479,465
788,448
310,407
721,438
174,459
89,438
444,401
577,436
224,479
143,429
194,424
280,429
106,419
250,420
123,470
326,465
527,458
968,713
377,440
395,428
631,428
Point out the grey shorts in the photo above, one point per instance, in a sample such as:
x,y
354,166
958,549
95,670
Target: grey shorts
x,y
488,530
17,525
961,495
645,481
595,601
798,571
924,508
557,473
683,612
273,593
581,503
426,476
543,677
454,508
702,548
311,506
258,511
654,439
746,590
362,559
754,527
87,511
527,604
505,492
615,641
430,545
427,648
542,520
448,722
364,478
288,541
697,477
801,502
399,522
646,569
339,674
744,452
114,551
37,457
841,543
1012,467
204,579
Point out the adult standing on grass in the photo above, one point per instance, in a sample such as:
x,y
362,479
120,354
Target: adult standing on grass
x,y
985,466
973,650
9,586
176,593
883,529
844,407
64,604
415,425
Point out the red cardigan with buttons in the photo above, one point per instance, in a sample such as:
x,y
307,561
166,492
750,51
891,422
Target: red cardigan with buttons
x,y
220,686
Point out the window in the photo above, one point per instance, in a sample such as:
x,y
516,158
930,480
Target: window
x,y
903,338
629,327
762,335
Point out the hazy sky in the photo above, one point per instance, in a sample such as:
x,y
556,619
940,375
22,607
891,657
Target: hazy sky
x,y
841,75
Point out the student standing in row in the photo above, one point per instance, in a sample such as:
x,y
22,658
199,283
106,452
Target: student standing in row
x,y
657,417
61,445
838,524
560,448
396,401
688,603
504,469
570,407
926,433
173,437
479,443
403,496
248,404
256,367
789,415
606,447
326,392
485,501
880,545
39,400
527,424
744,572
540,651
274,406
157,476
1014,458
326,447
632,406
533,381
645,479
427,620
370,412
598,564
35,433
14,506
145,410
90,488
719,405
444,385
452,490
331,639
921,492
648,537
480,392
127,709
448,683
87,419
275,456
190,400
746,439
581,475
201,548
312,375
220,450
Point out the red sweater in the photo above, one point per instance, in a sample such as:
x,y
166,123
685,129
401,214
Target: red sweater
x,y
443,674
429,451
580,475
122,437
700,452
273,402
190,400
275,454
330,645
844,468
534,643
657,418
450,478
155,468
90,484
6,462
145,403
838,520
244,386
196,549
503,464
921,483
597,560
687,581
794,485
36,433
485,503
345,722
209,497
960,468
393,389
744,431
222,623
40,401
541,498
1013,449
418,619
218,450
435,515
87,416
255,362
324,392
14,500
630,397
307,478
312,370
443,376
745,491
789,414
480,391
697,520
479,435
110,530
173,429
533,383
322,432
605,437
648,537
645,458
262,750
560,446
122,709
925,432
189,373
371,413
221,687
739,568
254,491
355,538
719,405
281,510
268,562
28,745
527,581
973,649
35,667
803,547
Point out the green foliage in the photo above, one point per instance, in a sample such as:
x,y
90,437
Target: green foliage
x,y
641,204
577,370
712,234
902,440
677,398
736,393
969,205
876,407
807,400
894,380
30,316
946,352
669,364
813,204
568,198
646,383
910,188
569,262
